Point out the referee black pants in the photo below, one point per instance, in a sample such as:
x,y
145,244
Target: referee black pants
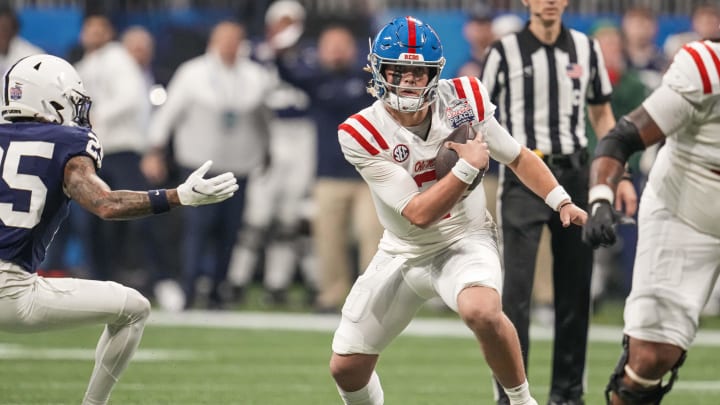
x,y
523,215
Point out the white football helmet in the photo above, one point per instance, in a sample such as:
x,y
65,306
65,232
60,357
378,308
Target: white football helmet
x,y
45,88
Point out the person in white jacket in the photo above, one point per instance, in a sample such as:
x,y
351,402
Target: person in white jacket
x,y
115,81
12,46
216,106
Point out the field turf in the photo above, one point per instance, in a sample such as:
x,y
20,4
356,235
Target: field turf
x,y
282,359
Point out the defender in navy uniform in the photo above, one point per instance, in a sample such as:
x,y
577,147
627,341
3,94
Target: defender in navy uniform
x,y
49,155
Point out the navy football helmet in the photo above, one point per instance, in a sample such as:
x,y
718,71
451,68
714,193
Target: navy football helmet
x,y
408,42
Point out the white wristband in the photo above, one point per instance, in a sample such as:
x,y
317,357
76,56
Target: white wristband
x,y
464,171
556,196
601,192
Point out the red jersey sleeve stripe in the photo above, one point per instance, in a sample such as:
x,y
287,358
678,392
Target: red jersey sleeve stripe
x,y
412,34
459,88
715,59
701,68
370,127
478,98
359,138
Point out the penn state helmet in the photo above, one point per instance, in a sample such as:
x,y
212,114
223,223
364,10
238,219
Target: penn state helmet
x,y
45,88
410,42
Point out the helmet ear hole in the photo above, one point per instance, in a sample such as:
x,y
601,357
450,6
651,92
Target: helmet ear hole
x,y
56,105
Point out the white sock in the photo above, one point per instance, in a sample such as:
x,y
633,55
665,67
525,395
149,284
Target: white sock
x,y
371,394
242,266
280,265
520,395
114,350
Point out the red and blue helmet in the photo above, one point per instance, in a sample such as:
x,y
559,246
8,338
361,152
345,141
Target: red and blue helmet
x,y
410,42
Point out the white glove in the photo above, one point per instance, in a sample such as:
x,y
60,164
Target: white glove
x,y
199,191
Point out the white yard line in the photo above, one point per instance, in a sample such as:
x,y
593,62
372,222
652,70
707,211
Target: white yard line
x,y
327,323
30,352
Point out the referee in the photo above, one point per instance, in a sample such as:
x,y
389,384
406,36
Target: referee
x,y
541,78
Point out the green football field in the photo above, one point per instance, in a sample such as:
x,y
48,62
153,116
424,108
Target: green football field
x,y
271,358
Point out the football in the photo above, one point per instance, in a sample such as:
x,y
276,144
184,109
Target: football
x,y
446,158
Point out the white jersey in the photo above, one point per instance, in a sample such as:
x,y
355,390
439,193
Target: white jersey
x,y
397,165
686,173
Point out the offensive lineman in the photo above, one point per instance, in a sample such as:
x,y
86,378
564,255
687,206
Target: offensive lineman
x,y
436,242
677,258
49,155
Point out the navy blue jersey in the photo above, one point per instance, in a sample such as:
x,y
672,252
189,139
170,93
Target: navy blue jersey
x,y
32,201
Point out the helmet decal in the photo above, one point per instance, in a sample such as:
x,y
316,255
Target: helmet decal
x,y
15,92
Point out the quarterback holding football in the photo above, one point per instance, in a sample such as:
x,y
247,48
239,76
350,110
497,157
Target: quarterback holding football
x,y
436,243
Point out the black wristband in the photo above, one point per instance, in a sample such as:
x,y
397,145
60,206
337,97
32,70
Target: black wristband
x,y
568,202
159,201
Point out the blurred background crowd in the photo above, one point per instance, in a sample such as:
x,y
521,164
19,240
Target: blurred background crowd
x,y
259,87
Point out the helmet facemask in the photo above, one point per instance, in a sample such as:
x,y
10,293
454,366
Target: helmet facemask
x,y
391,92
81,104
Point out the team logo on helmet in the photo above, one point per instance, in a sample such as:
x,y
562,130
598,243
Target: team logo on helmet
x,y
15,92
401,153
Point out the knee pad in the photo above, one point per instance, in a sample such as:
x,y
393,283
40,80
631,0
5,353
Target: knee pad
x,y
633,395
137,307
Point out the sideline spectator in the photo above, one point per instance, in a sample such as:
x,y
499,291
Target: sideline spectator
x,y
640,28
342,201
12,46
116,251
165,230
216,106
278,198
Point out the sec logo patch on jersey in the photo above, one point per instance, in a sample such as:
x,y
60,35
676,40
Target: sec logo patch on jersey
x,y
400,153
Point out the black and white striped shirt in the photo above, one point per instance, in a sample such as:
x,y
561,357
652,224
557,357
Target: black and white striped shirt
x,y
540,90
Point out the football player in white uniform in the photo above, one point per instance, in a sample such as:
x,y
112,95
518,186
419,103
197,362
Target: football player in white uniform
x,y
48,156
677,258
439,239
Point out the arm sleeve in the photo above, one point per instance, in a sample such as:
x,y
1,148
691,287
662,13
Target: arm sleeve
x,y
166,117
503,147
391,183
669,109
673,104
